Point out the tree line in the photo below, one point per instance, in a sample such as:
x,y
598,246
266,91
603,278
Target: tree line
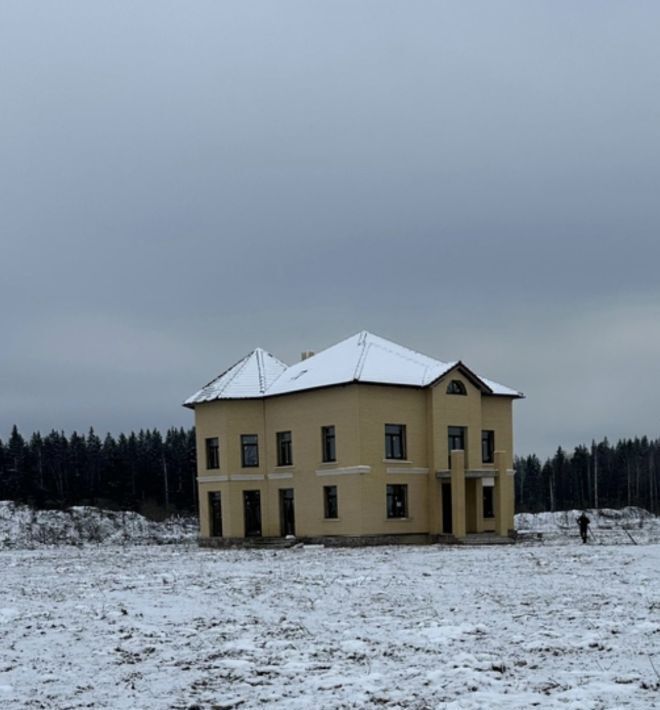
x,y
156,474
146,472
597,476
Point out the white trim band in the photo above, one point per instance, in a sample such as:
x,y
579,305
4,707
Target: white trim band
x,y
212,479
246,477
346,471
279,476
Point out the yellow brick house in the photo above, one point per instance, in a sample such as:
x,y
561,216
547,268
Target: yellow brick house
x,y
366,440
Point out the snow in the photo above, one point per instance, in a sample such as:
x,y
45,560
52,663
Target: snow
x,y
363,357
556,626
248,378
24,527
626,526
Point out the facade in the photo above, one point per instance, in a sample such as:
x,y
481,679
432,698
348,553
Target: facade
x,y
367,438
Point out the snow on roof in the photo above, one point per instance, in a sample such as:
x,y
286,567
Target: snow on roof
x,y
361,358
248,378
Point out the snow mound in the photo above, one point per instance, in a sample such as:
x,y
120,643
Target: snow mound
x,y
628,525
22,527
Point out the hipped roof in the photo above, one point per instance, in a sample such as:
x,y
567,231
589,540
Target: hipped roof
x,y
363,357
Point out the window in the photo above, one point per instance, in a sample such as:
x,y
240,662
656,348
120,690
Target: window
x,y
249,450
330,508
456,436
397,501
328,444
212,453
488,502
395,441
456,387
487,446
284,455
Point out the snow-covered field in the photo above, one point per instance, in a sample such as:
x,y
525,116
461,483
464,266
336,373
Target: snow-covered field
x,y
25,527
562,626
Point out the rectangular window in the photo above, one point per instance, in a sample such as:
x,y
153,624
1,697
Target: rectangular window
x,y
488,502
328,444
395,441
330,507
397,501
487,446
284,454
212,453
249,450
456,440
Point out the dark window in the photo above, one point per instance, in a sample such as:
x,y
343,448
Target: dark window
x,y
456,387
330,508
215,514
397,501
395,441
488,502
487,446
328,443
456,439
284,455
212,453
249,450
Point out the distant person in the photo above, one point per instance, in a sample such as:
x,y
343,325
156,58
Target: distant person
x,y
583,522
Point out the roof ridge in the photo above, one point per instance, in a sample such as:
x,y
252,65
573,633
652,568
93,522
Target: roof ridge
x,y
240,366
361,359
258,352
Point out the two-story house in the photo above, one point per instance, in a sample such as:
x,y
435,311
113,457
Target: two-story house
x,y
364,439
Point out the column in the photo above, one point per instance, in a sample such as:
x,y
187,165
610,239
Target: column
x,y
458,493
503,495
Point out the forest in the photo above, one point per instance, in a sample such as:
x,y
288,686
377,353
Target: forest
x,y
597,476
145,472
155,474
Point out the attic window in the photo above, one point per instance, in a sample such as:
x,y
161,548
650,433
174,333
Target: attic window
x,y
456,387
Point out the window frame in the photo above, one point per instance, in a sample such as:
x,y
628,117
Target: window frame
x,y
457,387
450,436
212,453
391,439
394,501
284,441
330,499
245,445
487,446
328,444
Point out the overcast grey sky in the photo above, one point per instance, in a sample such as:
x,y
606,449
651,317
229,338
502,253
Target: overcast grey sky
x,y
181,182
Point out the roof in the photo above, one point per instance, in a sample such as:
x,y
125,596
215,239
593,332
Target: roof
x,y
363,357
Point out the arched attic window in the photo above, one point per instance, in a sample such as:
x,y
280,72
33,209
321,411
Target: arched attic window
x,y
456,387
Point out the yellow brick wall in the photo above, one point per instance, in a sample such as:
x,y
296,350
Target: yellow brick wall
x,y
359,413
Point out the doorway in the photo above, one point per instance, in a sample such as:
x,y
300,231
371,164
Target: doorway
x,y
215,514
446,509
252,513
287,516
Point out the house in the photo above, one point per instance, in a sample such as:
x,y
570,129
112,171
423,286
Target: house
x,y
366,439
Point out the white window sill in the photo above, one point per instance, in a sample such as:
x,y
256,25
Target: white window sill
x,y
284,467
331,520
397,461
397,520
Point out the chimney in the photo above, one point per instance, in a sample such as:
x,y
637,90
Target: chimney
x,y
306,354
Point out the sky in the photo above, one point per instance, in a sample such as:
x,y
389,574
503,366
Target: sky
x,y
181,182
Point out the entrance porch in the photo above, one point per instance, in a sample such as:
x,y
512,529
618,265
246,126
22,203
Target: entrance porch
x,y
476,502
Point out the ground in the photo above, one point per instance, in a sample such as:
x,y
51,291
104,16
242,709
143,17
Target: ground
x,y
567,626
